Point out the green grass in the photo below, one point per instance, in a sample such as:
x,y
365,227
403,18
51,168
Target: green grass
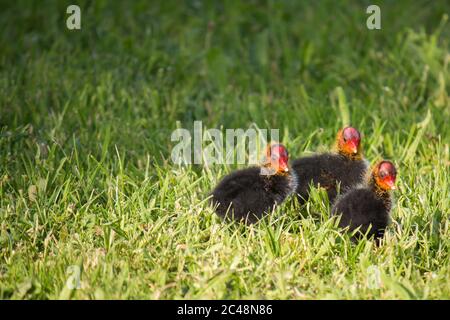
x,y
85,121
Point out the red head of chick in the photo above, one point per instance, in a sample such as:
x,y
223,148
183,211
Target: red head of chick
x,y
344,168
251,193
349,143
368,207
276,160
384,175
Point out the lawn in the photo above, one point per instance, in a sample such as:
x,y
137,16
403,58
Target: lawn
x,y
86,178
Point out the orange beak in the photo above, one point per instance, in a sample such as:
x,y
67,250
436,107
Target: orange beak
x,y
353,146
390,182
282,165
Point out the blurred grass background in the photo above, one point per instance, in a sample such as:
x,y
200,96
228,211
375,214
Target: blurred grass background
x,y
86,118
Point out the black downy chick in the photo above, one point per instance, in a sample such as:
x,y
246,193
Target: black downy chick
x,y
252,193
345,168
368,206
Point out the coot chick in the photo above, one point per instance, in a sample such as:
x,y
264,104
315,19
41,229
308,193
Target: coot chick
x,y
345,168
368,206
250,194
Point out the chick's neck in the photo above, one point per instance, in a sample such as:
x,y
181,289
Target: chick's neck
x,y
377,189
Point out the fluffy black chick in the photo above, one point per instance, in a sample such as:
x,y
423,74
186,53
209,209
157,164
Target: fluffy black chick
x,y
368,206
346,167
250,194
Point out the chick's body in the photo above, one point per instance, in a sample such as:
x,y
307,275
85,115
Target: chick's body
x,y
332,172
248,195
368,206
364,208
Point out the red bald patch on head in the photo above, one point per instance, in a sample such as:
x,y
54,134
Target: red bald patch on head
x,y
350,133
279,150
387,167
